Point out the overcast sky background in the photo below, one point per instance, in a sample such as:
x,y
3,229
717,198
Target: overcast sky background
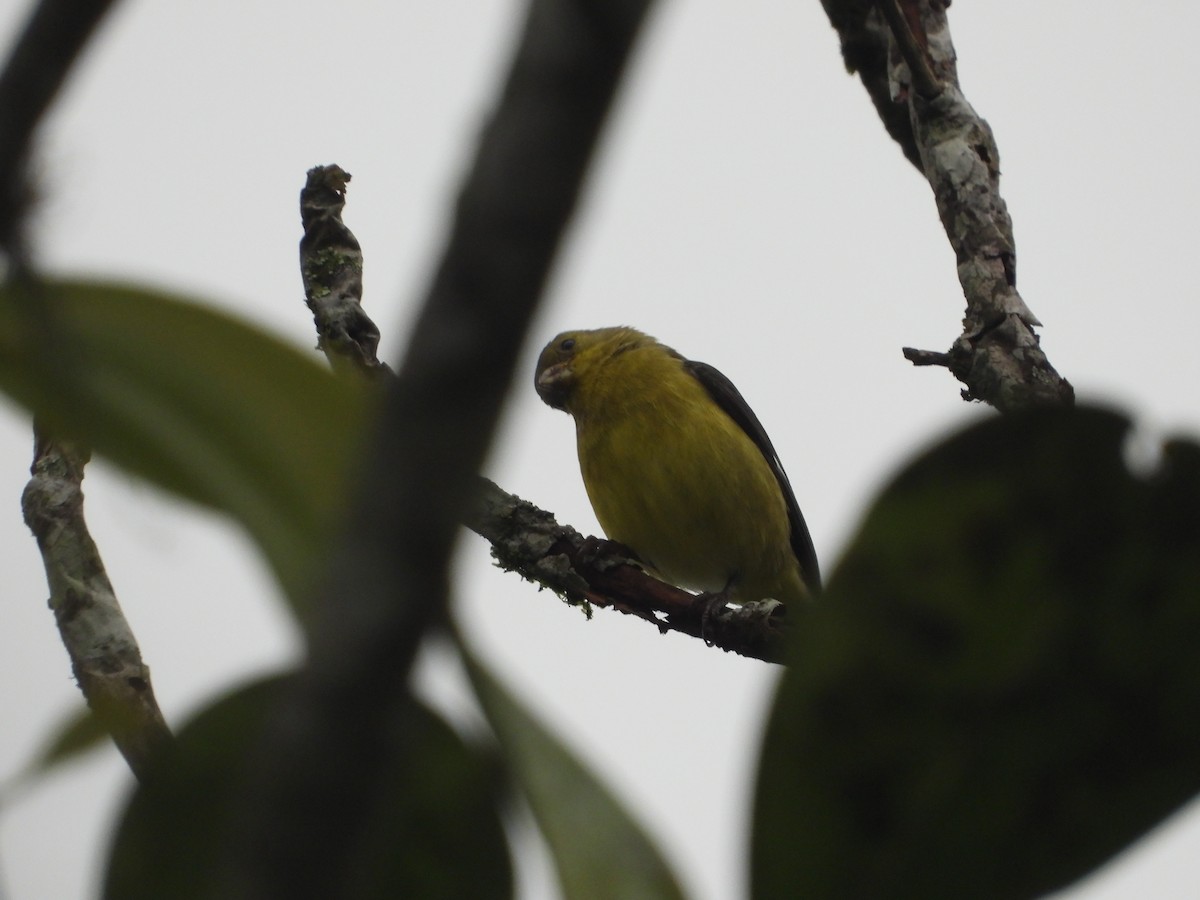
x,y
747,208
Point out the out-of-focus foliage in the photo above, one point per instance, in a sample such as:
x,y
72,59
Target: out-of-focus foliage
x,y
436,832
999,689
599,851
193,400
220,413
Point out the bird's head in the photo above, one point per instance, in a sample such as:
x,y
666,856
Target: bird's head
x,y
573,355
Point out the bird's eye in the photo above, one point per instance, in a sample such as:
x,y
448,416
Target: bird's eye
x,y
567,344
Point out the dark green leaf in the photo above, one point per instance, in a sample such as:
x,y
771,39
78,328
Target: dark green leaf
x,y
198,402
599,851
1000,688
437,833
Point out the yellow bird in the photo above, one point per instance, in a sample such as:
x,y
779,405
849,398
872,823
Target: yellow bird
x,y
678,468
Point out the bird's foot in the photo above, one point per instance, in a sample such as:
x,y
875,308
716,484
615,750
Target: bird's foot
x,y
710,605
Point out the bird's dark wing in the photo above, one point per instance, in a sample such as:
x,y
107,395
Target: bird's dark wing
x,y
727,397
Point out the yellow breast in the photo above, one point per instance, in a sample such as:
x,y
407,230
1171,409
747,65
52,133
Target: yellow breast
x,y
673,477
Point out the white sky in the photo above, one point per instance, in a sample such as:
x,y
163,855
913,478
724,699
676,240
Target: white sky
x,y
748,209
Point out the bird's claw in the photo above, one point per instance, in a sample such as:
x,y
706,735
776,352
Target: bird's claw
x,y
710,604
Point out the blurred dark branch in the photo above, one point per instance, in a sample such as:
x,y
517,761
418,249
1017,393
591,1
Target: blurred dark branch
x,y
52,39
311,787
103,650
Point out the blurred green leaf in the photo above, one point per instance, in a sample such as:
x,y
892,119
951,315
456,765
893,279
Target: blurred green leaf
x,y
599,851
437,833
193,400
999,689
78,733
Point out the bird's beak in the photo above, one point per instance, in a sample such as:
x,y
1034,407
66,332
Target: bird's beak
x,y
554,383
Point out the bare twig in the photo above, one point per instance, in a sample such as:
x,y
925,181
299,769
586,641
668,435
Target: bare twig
x,y
37,67
104,653
330,738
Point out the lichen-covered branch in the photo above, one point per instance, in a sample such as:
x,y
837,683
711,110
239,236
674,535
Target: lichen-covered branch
x,y
103,650
909,69
998,356
331,265
529,541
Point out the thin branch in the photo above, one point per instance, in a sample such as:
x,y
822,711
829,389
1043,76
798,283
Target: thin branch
x,y
103,650
310,788
530,542
51,41
927,357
